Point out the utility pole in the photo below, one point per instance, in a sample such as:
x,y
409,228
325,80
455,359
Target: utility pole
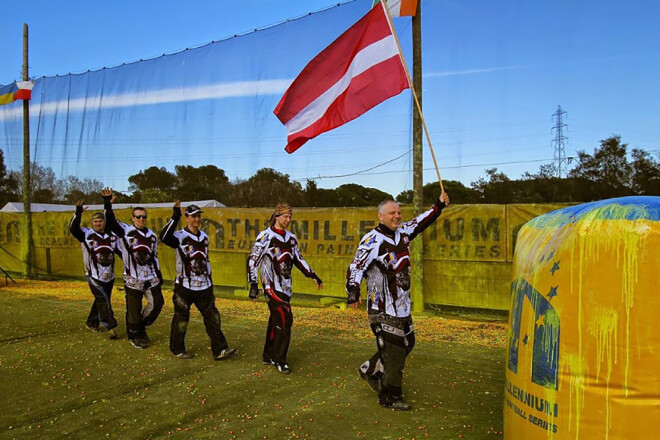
x,y
417,246
559,142
26,238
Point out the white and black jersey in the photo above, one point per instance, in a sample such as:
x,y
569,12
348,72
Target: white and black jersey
x,y
139,249
98,249
193,269
274,254
383,260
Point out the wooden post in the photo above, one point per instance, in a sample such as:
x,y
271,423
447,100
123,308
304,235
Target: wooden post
x,y
27,240
417,246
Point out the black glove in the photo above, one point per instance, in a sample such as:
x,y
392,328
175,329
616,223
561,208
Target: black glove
x,y
353,293
254,291
316,277
79,210
176,212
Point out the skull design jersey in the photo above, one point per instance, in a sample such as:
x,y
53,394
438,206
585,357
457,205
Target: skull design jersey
x,y
139,249
274,254
193,270
383,260
98,249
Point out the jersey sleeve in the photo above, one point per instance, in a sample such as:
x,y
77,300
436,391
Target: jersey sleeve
x,y
111,223
74,225
417,225
256,255
366,253
167,234
300,262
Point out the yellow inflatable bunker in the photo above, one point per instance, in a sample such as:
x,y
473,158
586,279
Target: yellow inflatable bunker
x,y
583,360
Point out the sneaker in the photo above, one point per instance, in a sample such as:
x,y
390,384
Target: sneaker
x,y
93,328
284,368
139,343
224,354
184,355
112,334
374,383
268,362
397,405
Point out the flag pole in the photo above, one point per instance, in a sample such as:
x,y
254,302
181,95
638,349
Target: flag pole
x,y
414,93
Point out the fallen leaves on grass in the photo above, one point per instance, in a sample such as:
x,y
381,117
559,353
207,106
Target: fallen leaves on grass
x,y
348,324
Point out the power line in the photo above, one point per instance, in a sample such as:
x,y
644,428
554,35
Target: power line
x,y
559,141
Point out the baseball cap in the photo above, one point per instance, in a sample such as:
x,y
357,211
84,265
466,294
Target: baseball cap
x,y
193,209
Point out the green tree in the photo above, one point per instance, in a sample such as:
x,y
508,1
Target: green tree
x,y
153,184
458,193
645,173
266,187
608,169
9,187
202,183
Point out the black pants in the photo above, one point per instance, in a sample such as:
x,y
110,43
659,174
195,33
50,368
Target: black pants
x,y
101,312
138,318
204,300
278,332
395,339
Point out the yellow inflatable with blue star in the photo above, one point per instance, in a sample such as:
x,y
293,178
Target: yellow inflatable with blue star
x,y
583,359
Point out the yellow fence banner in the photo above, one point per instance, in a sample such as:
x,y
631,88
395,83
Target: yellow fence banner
x,y
467,251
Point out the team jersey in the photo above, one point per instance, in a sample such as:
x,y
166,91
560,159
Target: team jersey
x,y
139,249
98,249
383,260
193,269
274,254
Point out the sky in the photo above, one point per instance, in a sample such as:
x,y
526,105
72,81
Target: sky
x,y
493,75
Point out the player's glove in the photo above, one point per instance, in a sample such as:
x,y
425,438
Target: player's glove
x,y
316,277
353,292
254,291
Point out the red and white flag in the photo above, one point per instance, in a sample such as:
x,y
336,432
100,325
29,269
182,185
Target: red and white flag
x,y
359,70
24,90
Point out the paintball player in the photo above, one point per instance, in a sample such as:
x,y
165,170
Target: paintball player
x,y
193,283
383,260
142,277
274,254
99,246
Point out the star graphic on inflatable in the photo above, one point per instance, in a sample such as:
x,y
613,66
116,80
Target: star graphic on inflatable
x,y
541,321
552,254
525,339
555,267
553,292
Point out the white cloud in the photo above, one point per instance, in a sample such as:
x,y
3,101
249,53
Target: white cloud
x,y
236,89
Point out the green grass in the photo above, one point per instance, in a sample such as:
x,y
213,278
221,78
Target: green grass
x,y
59,379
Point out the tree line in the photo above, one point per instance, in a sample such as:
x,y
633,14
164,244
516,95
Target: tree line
x,y
611,171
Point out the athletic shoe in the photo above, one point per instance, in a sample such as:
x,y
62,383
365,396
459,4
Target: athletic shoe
x,y
224,354
268,362
139,343
95,329
184,355
373,382
283,368
397,405
112,334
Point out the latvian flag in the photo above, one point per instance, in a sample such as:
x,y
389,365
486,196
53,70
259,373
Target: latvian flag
x,y
15,91
359,70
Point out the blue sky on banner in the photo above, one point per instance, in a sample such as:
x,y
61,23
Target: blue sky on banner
x,y
493,75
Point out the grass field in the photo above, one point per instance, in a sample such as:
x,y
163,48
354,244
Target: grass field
x,y
59,379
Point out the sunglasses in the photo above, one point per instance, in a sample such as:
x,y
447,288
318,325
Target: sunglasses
x,y
141,216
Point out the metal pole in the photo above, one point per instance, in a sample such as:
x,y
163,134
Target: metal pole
x,y
27,184
417,246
